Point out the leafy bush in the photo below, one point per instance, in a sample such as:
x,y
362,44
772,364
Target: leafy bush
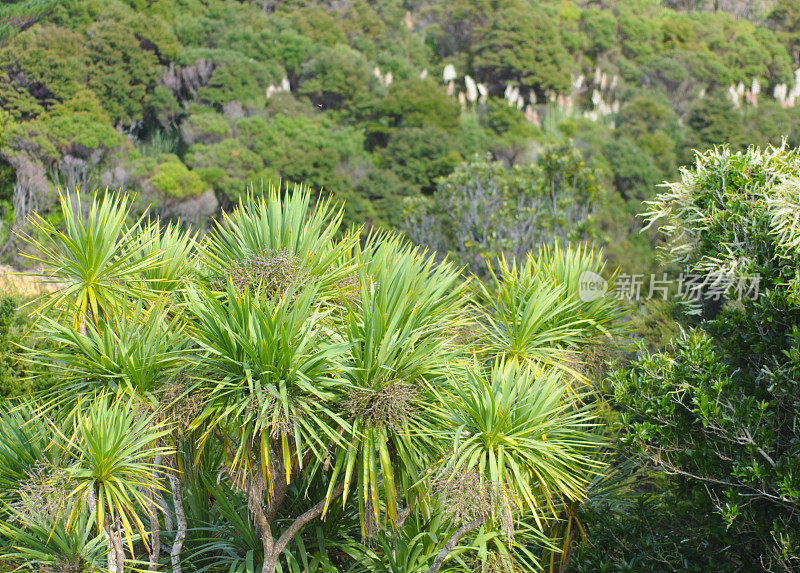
x,y
718,409
175,181
484,211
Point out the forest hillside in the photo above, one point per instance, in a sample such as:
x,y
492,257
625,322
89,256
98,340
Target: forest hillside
x,y
184,102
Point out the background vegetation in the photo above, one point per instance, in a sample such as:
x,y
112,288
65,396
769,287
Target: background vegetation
x,y
184,103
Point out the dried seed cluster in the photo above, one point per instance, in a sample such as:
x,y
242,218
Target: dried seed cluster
x,y
177,406
464,496
65,565
279,424
274,272
349,288
494,563
43,495
388,407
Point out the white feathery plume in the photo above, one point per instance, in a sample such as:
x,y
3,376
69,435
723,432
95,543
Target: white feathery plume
x,y
484,93
472,89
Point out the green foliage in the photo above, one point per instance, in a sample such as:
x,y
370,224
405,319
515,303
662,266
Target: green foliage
x,y
225,166
718,409
91,258
516,433
522,45
302,93
13,326
786,16
174,180
38,47
421,155
386,191
635,173
505,122
238,80
419,103
122,72
78,125
601,30
205,126
336,78
653,126
15,16
533,311
170,99
114,468
713,121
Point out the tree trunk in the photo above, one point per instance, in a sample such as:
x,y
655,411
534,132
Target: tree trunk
x,y
567,557
255,502
111,560
451,543
155,526
177,545
116,537
162,504
155,535
271,558
111,554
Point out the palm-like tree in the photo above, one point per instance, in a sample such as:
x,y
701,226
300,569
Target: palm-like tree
x,y
114,324
280,370
94,261
397,334
115,468
534,313
520,438
134,351
269,379
270,225
170,254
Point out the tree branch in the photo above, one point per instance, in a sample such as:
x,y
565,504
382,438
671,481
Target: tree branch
x,y
451,543
271,560
298,523
155,525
